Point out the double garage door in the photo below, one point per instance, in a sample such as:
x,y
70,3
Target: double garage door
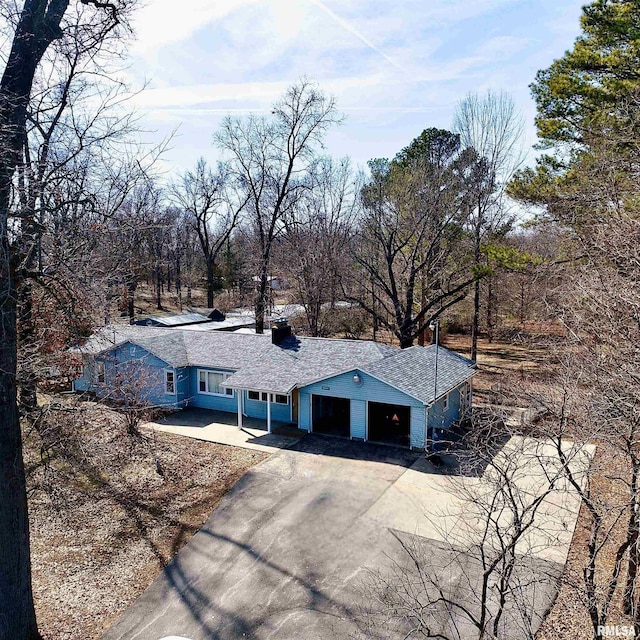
x,y
387,423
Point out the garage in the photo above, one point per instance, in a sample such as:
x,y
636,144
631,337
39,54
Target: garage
x,y
331,416
389,423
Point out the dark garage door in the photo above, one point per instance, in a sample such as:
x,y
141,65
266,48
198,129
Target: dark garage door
x,y
331,415
389,423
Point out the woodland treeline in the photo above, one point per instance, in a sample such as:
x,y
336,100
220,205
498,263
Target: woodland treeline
x,y
452,227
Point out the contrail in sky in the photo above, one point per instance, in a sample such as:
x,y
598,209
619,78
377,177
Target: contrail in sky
x,y
345,25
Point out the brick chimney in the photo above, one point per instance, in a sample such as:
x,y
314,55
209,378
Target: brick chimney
x,y
281,330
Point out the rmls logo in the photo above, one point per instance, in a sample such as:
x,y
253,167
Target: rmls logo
x,y
616,631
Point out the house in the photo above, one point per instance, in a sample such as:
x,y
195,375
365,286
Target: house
x,y
214,321
352,388
173,321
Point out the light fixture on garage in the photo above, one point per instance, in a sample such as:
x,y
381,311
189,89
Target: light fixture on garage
x,y
357,380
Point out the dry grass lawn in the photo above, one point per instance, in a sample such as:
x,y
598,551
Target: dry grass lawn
x,y
104,522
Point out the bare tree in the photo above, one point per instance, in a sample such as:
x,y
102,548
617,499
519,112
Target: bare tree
x,y
214,210
39,24
314,251
493,127
410,242
270,159
596,299
489,569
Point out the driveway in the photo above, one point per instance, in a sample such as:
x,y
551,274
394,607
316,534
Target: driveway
x,y
284,554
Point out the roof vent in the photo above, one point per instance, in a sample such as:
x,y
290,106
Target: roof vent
x,y
280,331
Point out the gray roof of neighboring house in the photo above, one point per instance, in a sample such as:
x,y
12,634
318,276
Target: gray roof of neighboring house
x,y
296,362
413,371
300,361
176,320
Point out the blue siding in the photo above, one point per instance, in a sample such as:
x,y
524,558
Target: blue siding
x,y
152,391
258,409
441,419
86,380
207,401
359,419
183,385
371,389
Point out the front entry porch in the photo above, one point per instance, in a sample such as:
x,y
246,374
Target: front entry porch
x,y
222,427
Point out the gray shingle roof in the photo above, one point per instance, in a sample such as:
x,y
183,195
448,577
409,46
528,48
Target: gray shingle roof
x,y
300,361
180,347
413,371
263,366
177,320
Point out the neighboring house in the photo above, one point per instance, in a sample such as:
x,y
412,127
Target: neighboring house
x,y
177,320
215,321
352,388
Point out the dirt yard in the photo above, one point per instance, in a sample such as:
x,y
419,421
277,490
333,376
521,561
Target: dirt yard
x,y
110,511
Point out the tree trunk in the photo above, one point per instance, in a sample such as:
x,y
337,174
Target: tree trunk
x,y
475,325
633,536
422,337
210,285
178,276
490,309
158,289
17,614
260,306
405,336
28,350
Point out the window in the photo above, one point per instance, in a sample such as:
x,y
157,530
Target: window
x,y
445,403
132,351
169,382
262,396
210,382
100,372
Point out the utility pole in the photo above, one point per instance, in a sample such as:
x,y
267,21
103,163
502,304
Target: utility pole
x,y
434,326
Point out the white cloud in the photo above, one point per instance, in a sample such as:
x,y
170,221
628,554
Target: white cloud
x,y
161,22
395,68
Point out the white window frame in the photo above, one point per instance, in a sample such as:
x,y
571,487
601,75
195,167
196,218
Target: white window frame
x,y
445,403
173,382
132,350
263,395
100,372
224,374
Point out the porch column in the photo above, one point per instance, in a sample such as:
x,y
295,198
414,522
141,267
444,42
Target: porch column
x,y
268,412
239,392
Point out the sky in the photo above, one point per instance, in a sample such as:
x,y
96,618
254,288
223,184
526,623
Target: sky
x,y
395,68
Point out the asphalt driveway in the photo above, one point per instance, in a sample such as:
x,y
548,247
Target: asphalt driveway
x,y
281,555
285,553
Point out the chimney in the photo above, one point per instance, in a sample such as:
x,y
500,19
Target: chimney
x,y
281,330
